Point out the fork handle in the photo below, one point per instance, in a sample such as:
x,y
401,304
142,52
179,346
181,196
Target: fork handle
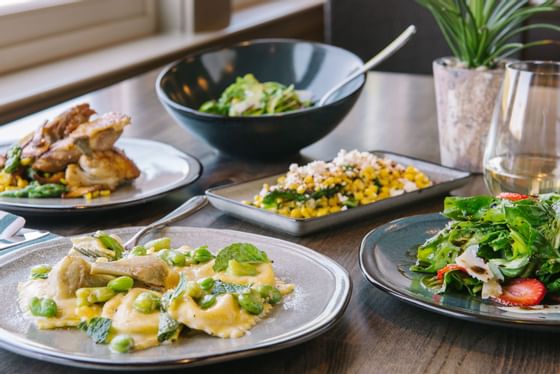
x,y
189,207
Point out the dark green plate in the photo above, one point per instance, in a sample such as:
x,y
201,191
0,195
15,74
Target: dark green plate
x,y
388,251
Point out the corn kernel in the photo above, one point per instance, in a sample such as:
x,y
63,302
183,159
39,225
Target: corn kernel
x,y
26,161
334,209
296,213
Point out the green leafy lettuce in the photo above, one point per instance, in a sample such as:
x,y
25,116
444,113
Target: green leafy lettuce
x,y
516,238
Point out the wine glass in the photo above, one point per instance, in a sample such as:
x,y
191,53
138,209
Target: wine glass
x,y
523,147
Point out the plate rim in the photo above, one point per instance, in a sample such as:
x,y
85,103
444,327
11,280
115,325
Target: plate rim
x,y
343,283
378,281
195,172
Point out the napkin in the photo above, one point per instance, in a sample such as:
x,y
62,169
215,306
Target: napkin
x,y
10,224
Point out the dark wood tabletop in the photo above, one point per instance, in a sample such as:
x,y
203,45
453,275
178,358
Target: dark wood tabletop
x,y
378,333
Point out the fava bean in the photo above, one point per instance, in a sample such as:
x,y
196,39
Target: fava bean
x,y
202,255
206,284
158,244
40,271
92,295
194,290
146,302
207,301
250,302
122,344
176,258
270,294
139,250
121,284
110,243
43,307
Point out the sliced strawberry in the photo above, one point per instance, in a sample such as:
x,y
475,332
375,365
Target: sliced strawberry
x,y
512,196
447,268
522,292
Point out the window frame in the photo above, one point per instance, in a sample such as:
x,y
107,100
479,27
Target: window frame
x,y
66,24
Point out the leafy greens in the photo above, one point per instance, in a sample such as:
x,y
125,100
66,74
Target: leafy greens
x,y
249,97
517,239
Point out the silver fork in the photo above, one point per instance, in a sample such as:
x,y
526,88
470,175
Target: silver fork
x,y
189,207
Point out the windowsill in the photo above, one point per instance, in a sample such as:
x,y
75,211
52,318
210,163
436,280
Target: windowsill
x,y
25,87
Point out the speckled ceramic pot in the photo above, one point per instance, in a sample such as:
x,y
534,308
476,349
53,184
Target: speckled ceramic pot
x,y
465,105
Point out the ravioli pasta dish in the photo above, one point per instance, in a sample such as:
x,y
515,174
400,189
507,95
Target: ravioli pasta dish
x,y
147,296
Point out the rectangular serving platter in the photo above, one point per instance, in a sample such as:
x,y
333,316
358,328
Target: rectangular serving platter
x,y
229,198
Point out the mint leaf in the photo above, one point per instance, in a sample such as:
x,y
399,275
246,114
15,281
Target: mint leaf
x,y
168,327
241,252
169,296
82,326
221,288
98,329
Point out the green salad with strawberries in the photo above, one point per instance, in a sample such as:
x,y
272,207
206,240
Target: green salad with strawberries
x,y
503,248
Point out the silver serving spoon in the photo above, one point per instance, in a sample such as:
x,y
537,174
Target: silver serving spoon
x,y
189,207
387,52
194,204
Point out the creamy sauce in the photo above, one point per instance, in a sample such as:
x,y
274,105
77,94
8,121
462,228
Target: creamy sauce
x,y
68,314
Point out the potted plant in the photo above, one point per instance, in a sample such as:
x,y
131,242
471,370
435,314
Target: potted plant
x,y
481,35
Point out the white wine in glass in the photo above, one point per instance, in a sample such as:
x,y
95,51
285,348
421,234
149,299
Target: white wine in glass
x,y
523,146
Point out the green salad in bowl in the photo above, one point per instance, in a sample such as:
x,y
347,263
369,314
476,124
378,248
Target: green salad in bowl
x,y
249,97
503,248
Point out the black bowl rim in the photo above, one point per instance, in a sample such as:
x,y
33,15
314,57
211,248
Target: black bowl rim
x,y
163,96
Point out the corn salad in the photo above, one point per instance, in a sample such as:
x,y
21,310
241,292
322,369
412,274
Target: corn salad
x,y
10,182
353,178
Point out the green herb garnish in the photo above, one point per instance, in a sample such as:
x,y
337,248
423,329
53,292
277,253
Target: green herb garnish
x,y
241,252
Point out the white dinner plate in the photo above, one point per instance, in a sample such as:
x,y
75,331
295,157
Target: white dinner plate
x,y
163,169
322,291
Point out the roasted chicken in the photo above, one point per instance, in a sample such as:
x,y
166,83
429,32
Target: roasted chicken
x,y
78,150
101,170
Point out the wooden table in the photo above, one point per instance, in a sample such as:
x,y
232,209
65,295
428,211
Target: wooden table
x,y
378,332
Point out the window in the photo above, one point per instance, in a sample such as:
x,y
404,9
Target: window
x,y
35,31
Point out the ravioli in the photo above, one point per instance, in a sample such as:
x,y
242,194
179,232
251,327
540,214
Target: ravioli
x,y
118,282
143,328
264,277
68,313
196,272
224,319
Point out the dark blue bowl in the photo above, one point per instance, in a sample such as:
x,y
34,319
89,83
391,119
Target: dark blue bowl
x,y
183,86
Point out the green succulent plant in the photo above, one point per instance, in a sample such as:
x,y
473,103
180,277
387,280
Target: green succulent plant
x,y
480,32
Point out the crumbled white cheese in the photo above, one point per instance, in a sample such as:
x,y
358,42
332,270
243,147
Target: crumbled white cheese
x,y
474,265
492,288
356,159
477,268
408,186
395,192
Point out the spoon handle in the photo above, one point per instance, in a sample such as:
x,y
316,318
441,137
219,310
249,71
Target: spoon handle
x,y
387,52
193,205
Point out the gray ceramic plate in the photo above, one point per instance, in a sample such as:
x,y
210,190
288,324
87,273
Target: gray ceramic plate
x,y
387,253
228,198
321,295
163,169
